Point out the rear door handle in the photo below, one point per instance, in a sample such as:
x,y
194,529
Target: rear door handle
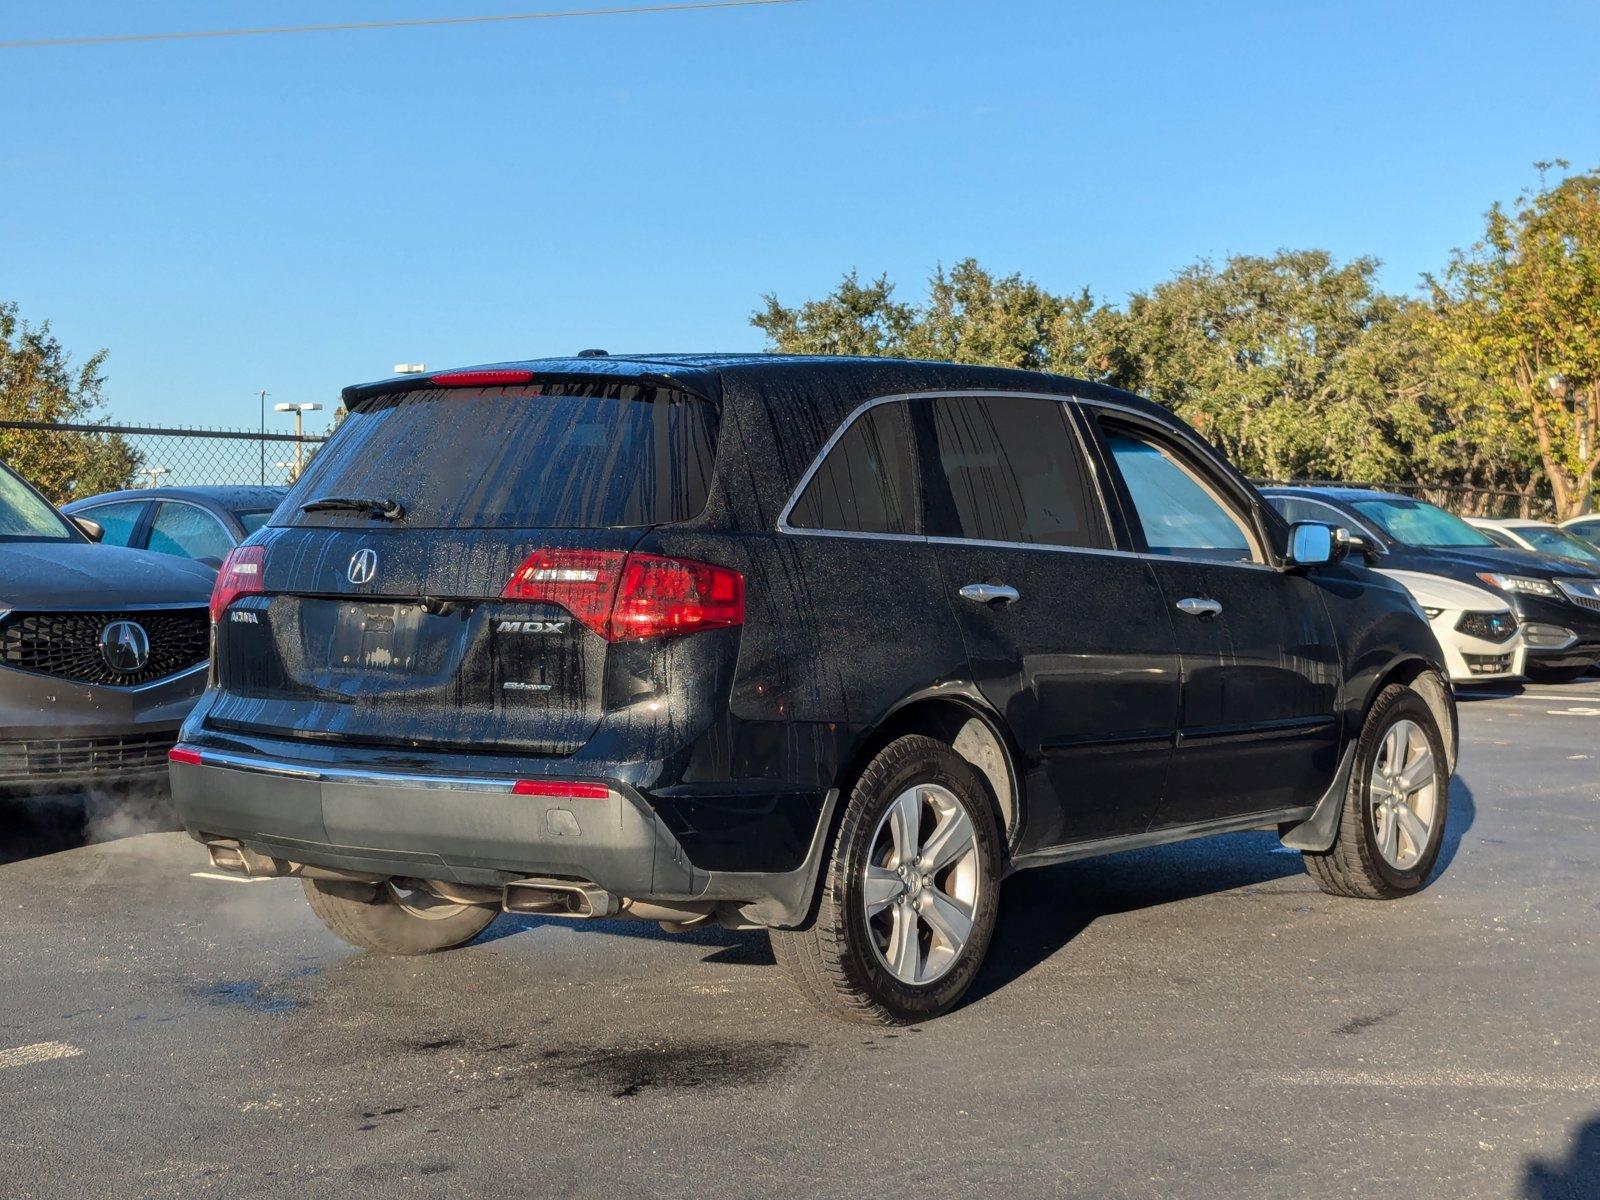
x,y
989,593
1200,608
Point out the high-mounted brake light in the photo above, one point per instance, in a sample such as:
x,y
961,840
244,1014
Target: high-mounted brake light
x,y
622,596
240,576
497,378
559,790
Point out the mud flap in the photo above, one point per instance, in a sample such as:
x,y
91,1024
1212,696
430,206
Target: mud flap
x,y
1318,832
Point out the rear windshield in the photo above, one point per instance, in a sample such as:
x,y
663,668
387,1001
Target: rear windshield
x,y
563,456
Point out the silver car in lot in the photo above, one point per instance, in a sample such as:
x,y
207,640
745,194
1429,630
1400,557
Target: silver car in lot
x,y
103,650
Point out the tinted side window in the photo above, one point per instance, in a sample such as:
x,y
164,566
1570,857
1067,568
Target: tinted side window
x,y
188,532
1177,509
866,484
117,519
1009,470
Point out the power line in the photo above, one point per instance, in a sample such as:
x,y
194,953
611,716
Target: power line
x,y
629,10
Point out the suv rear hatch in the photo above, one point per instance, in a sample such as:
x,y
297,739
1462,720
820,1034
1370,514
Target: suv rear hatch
x,y
453,570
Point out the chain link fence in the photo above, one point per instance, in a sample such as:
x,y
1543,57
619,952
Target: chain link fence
x,y
158,456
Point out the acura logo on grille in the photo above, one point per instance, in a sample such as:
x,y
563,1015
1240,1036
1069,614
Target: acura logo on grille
x,y
363,566
125,646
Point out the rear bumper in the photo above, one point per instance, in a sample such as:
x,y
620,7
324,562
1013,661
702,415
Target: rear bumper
x,y
471,830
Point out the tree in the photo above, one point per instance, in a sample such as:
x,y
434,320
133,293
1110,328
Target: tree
x,y
970,316
1521,308
39,383
1270,358
853,319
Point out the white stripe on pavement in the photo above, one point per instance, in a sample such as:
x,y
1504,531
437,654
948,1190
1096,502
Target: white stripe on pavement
x,y
1425,1077
233,878
22,1056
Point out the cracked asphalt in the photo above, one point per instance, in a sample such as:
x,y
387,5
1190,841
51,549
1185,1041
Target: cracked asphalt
x,y
1192,1021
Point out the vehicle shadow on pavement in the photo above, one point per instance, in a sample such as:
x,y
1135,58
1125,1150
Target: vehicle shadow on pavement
x,y
727,946
1041,911
1578,1178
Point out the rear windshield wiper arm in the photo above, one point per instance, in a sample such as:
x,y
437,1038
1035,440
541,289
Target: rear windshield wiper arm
x,y
375,507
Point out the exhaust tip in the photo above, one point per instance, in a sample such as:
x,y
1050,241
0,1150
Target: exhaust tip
x,y
558,898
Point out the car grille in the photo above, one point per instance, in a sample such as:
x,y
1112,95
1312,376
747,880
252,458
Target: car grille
x,y
71,759
1585,593
67,644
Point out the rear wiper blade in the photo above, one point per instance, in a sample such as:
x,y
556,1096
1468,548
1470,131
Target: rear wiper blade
x,y
375,507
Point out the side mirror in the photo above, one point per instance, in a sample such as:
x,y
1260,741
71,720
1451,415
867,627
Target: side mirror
x,y
92,530
1313,544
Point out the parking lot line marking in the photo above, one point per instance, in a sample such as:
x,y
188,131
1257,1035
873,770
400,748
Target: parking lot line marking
x,y
1448,1078
22,1056
232,878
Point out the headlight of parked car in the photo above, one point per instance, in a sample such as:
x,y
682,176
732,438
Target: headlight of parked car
x,y
1520,583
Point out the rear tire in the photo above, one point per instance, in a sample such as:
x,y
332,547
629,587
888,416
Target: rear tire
x,y
1392,824
909,897
390,920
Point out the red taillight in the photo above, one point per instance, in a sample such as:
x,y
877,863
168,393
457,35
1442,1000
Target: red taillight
x,y
499,378
240,576
181,754
622,596
559,790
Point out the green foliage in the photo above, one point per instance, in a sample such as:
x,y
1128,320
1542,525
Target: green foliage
x,y
39,383
1300,366
1520,309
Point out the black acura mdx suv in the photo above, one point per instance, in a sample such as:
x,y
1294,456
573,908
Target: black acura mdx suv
x,y
825,646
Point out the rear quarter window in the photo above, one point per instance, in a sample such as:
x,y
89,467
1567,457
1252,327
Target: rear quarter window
x,y
562,456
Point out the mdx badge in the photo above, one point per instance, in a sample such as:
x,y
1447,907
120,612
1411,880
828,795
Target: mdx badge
x,y
363,566
532,627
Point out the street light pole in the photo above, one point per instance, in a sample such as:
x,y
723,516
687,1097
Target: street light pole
x,y
263,437
299,411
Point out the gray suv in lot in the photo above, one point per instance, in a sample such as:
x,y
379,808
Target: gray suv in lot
x,y
102,650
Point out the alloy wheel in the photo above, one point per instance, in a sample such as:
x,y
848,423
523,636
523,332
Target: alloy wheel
x,y
920,884
1404,791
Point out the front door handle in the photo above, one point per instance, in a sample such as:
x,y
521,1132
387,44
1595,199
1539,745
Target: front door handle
x,y
989,593
1200,608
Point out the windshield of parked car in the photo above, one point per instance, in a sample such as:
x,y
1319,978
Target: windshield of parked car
x,y
558,455
1418,523
24,517
1549,540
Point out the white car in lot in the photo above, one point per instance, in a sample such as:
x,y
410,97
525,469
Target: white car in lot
x,y
1477,630
1539,536
1587,527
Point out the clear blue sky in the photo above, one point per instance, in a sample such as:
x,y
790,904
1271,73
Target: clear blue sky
x,y
302,212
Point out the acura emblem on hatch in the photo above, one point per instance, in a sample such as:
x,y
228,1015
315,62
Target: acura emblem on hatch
x,y
125,646
363,566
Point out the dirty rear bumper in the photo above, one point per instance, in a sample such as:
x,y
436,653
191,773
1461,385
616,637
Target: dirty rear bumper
x,y
472,830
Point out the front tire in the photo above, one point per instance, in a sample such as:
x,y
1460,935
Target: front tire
x,y
392,919
910,894
1392,825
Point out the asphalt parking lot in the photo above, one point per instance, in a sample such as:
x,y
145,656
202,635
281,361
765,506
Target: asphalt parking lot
x,y
1191,1021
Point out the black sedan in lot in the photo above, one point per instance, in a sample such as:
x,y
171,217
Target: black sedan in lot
x,y
1556,600
199,523
102,649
